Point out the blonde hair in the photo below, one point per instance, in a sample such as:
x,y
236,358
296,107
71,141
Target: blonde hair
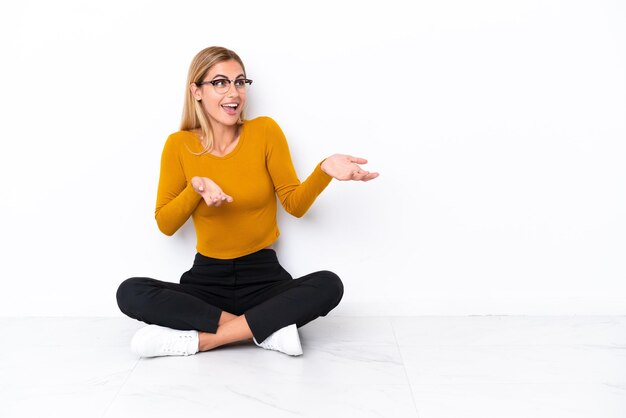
x,y
194,116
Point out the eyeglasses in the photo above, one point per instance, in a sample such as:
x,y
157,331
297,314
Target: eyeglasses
x,y
222,85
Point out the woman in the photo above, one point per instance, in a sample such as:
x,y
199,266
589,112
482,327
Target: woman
x,y
225,172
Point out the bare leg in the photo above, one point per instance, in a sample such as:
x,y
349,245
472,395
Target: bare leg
x,y
226,317
236,329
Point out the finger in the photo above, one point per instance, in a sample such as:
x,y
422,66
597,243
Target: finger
x,y
370,176
356,168
358,160
224,198
359,175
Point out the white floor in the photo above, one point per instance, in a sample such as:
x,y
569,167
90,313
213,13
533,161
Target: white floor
x,y
427,367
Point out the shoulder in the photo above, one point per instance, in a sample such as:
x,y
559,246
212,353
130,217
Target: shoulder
x,y
182,139
264,132
261,123
265,129
182,136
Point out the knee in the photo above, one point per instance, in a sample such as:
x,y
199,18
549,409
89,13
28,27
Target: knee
x,y
127,294
332,287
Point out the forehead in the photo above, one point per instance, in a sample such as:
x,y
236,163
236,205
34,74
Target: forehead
x,y
230,68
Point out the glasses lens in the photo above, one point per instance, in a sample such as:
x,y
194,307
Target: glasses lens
x,y
241,84
221,85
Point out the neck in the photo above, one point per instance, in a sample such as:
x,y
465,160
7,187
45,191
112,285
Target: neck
x,y
224,136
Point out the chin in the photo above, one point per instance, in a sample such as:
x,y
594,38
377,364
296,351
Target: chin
x,y
231,121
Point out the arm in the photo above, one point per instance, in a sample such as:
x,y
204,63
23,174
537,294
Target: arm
x,y
296,197
176,199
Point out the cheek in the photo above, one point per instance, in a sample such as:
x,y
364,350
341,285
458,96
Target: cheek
x,y
209,103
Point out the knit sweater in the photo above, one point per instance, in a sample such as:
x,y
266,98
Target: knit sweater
x,y
257,170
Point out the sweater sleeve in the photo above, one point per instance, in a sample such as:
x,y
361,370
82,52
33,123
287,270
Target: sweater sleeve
x,y
296,197
176,199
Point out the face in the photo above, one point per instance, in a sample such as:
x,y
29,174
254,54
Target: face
x,y
222,108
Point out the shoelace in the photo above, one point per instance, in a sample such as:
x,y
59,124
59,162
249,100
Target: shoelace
x,y
177,345
269,343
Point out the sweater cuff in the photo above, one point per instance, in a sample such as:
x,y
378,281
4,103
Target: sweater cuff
x,y
189,195
320,176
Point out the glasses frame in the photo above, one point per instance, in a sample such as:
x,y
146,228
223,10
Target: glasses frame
x,y
243,88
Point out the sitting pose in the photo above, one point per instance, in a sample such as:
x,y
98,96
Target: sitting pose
x,y
225,172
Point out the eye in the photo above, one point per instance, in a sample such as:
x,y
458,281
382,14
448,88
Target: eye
x,y
220,83
240,82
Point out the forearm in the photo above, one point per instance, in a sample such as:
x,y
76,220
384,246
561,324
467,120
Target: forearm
x,y
297,199
171,214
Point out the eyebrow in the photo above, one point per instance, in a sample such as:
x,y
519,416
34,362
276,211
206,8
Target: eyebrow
x,y
223,76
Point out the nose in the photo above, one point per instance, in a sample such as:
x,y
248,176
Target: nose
x,y
232,90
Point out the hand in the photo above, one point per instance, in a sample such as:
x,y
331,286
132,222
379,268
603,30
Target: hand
x,y
210,192
345,167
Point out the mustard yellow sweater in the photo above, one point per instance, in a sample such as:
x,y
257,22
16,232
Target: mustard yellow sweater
x,y
259,168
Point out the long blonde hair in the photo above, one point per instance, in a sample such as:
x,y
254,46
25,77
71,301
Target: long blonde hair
x,y
194,116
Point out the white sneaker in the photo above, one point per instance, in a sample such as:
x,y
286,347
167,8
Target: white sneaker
x,y
155,341
286,340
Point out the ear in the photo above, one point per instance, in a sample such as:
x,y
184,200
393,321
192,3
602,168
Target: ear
x,y
195,91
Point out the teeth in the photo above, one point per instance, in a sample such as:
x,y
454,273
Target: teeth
x,y
233,105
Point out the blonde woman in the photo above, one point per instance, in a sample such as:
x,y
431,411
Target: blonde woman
x,y
225,172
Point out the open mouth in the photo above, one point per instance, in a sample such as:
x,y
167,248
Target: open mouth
x,y
230,108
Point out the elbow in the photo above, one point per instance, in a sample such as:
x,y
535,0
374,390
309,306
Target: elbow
x,y
164,227
166,231
298,213
295,209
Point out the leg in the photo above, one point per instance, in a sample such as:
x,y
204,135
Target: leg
x,y
174,309
167,304
296,301
234,330
226,317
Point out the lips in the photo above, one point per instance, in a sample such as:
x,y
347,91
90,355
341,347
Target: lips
x,y
230,108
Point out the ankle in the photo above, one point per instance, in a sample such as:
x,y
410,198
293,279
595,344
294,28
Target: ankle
x,y
207,341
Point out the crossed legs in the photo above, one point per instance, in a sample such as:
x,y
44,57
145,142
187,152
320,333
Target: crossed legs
x,y
231,328
284,304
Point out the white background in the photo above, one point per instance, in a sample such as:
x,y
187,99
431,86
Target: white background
x,y
498,128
